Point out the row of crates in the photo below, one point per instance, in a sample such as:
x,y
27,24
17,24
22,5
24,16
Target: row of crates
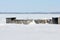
x,y
54,20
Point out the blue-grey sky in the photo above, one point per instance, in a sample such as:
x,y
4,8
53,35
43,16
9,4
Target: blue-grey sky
x,y
29,5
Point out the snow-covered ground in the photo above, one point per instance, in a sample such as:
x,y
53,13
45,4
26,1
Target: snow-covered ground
x,y
31,31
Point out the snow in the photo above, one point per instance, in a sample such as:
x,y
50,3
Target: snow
x,y
31,31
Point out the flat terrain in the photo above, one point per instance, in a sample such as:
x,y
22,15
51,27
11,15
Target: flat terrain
x,y
29,32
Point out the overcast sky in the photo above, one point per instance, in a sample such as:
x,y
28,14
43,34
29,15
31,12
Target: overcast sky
x,y
29,5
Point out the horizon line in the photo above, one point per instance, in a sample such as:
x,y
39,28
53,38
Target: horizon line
x,y
29,12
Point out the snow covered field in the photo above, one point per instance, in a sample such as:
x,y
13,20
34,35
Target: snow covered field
x,y
31,31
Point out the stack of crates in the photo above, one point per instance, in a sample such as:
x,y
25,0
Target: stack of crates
x,y
56,20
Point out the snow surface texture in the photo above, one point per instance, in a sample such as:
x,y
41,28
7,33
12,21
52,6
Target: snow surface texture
x,y
29,32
